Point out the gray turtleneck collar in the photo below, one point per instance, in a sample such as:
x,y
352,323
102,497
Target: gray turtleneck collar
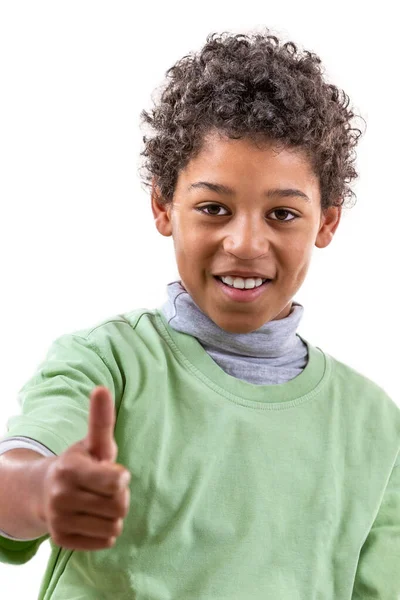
x,y
272,354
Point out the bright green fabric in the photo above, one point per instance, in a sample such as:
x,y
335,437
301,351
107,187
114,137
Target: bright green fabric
x,y
238,491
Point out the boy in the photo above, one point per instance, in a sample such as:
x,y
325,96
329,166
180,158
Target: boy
x,y
260,466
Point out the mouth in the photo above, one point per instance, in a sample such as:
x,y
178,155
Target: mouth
x,y
241,295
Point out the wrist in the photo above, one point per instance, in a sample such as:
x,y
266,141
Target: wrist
x,y
39,471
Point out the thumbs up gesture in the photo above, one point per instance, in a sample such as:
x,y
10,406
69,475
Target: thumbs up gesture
x,y
85,493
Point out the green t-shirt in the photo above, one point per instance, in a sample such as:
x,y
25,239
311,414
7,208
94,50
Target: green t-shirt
x,y
238,491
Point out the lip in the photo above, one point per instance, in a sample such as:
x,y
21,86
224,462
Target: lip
x,y
244,295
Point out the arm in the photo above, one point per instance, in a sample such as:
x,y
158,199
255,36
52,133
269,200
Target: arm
x,y
54,412
21,476
378,570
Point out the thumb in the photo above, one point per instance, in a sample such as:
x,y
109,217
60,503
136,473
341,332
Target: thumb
x,y
100,441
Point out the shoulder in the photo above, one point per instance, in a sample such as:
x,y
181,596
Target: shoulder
x,y
115,329
347,374
116,341
360,391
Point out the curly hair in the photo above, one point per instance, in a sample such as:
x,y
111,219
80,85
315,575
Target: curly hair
x,y
251,86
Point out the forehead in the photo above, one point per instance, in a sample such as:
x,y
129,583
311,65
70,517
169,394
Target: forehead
x,y
242,162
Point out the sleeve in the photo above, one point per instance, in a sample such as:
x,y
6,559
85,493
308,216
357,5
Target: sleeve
x,y
24,442
378,571
54,410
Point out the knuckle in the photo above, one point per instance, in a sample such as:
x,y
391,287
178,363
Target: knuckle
x,y
117,527
121,504
60,498
119,507
57,495
126,503
64,469
114,485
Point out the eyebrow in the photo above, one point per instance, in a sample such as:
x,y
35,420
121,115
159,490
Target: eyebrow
x,y
223,189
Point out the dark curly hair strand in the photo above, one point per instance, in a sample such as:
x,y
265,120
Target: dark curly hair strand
x,y
254,87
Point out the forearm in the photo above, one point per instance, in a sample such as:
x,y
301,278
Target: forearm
x,y
22,473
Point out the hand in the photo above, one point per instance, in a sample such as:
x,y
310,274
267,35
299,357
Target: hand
x,y
85,494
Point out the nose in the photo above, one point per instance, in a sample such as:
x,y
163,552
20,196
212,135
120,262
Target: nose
x,y
246,238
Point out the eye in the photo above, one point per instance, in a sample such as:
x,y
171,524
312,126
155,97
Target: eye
x,y
207,206
201,209
284,210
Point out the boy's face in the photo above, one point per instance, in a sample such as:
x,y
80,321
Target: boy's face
x,y
244,232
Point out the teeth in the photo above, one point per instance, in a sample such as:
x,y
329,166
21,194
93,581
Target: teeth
x,y
240,283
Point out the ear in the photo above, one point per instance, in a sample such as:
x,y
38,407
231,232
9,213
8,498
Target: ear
x,y
330,220
161,213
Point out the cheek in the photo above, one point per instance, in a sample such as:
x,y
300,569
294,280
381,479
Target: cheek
x,y
190,250
188,236
196,243
296,250
296,256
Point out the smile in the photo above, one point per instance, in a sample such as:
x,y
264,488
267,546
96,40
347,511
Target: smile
x,y
242,295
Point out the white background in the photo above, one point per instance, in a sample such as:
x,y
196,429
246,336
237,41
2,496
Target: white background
x,y
78,241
